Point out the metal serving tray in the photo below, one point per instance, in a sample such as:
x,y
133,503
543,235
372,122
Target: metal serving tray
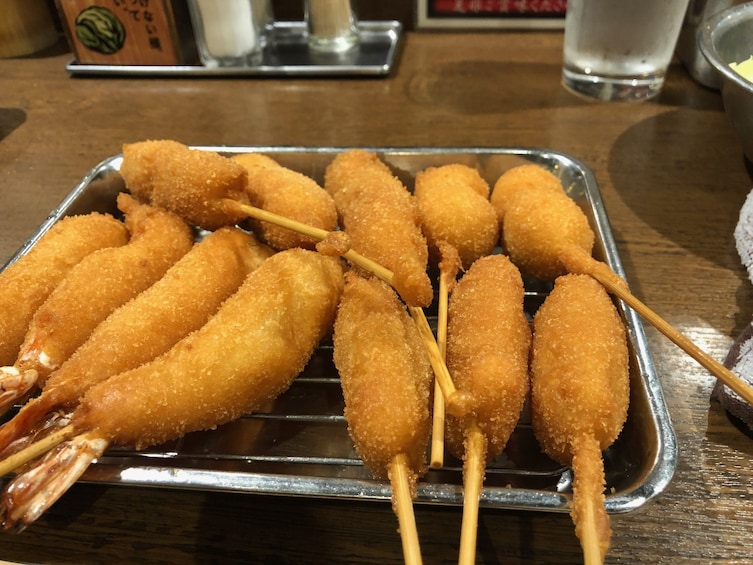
x,y
299,444
286,54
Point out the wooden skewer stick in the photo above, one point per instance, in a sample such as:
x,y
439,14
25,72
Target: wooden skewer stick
x,y
455,400
473,479
400,482
34,450
590,543
590,516
448,270
578,261
436,459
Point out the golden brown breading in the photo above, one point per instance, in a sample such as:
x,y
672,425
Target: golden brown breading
x,y
101,282
453,201
150,324
488,341
385,374
27,283
249,352
580,390
381,218
579,367
189,182
287,193
540,225
521,177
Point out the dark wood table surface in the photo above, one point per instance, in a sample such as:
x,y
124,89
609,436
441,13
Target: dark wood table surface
x,y
673,179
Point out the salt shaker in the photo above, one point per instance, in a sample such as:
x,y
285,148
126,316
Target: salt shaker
x,y
332,25
228,32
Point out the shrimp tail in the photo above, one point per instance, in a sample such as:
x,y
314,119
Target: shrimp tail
x,y
14,385
31,493
30,426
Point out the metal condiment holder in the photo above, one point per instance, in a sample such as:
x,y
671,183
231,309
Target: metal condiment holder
x,y
330,41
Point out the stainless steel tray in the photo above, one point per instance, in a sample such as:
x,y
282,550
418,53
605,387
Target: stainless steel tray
x,y
300,446
286,54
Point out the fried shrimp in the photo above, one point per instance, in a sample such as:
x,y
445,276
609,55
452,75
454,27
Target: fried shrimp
x,y
95,287
520,178
147,326
229,367
453,201
27,283
381,218
189,182
580,394
386,380
288,193
488,342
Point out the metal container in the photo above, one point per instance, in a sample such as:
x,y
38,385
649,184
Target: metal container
x,y
687,44
299,445
726,38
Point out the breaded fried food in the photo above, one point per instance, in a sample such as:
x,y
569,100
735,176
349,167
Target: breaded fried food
x,y
521,177
189,182
248,353
381,218
488,341
453,202
100,283
541,226
580,393
287,193
385,374
284,308
29,281
147,326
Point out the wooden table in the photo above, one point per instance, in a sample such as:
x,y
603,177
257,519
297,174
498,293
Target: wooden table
x,y
673,179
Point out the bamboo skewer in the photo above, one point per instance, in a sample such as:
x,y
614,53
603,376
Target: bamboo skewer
x,y
455,401
400,482
474,468
34,450
436,459
578,261
448,269
590,543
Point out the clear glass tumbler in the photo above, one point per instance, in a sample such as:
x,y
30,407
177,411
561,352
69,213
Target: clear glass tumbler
x,y
331,24
228,32
619,50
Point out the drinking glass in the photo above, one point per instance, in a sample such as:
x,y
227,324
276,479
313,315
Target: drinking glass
x,y
619,50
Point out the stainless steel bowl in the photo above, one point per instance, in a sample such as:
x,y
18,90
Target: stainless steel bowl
x,y
727,37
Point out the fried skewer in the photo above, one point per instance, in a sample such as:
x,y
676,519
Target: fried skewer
x,y
147,326
453,203
546,234
188,182
381,218
209,378
386,378
286,193
460,226
27,283
521,177
93,289
580,395
488,342
142,159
